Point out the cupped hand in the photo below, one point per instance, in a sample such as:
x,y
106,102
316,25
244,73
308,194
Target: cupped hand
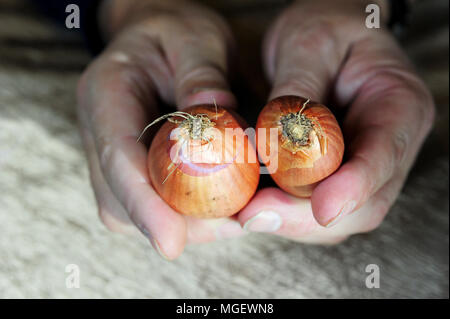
x,y
176,51
322,50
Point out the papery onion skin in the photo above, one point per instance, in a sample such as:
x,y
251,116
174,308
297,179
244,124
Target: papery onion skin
x,y
300,170
205,190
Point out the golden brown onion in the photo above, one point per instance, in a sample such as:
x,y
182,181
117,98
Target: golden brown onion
x,y
197,168
309,141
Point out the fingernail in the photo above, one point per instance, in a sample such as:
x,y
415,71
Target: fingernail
x,y
229,229
153,241
266,221
345,210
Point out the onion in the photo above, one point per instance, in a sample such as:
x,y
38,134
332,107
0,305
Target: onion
x,y
308,145
202,163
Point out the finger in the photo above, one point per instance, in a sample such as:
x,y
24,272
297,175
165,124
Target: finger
x,y
200,59
273,211
368,217
113,113
391,114
302,59
276,212
110,211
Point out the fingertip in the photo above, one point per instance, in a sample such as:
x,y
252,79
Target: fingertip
x,y
336,196
170,244
167,248
165,229
171,249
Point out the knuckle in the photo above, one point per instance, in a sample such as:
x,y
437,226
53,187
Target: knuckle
x,y
108,76
207,71
428,111
418,95
386,77
211,76
415,106
400,146
116,69
118,77
393,81
111,152
417,102
106,156
111,157
319,35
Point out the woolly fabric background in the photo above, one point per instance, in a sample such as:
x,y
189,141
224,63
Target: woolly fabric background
x,y
48,217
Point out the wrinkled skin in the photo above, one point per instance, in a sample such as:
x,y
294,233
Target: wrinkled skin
x,y
179,51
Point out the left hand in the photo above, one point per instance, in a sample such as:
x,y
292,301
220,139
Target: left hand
x,y
176,51
320,47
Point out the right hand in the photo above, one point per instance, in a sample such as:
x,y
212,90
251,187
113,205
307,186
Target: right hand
x,y
320,49
177,51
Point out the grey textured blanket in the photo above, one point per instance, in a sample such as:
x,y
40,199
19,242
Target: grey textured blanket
x,y
48,218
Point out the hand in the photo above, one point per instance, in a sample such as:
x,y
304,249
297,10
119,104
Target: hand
x,y
177,51
321,48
